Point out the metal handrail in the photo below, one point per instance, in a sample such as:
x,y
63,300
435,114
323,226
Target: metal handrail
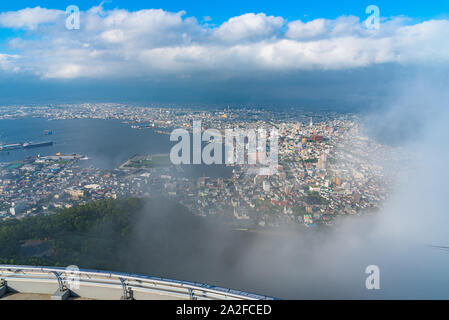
x,y
189,290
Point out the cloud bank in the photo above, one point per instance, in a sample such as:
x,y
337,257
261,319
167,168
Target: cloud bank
x,y
149,43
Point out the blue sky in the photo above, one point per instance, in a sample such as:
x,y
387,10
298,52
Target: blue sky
x,y
221,10
256,50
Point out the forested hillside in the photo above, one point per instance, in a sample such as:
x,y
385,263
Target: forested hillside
x,y
102,234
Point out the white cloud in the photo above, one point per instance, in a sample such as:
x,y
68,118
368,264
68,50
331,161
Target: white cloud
x,y
113,36
249,26
29,18
147,43
7,62
304,30
67,71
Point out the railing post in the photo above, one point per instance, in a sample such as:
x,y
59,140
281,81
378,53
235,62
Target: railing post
x,y
127,292
3,287
61,285
191,294
62,293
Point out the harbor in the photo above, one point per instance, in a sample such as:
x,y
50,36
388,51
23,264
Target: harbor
x,y
102,141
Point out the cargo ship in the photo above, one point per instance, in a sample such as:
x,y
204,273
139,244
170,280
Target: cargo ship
x,y
11,146
60,156
28,145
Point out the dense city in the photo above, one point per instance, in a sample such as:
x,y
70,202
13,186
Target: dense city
x,y
327,167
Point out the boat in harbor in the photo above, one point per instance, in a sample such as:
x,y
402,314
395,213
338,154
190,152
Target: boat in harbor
x,y
12,146
28,145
